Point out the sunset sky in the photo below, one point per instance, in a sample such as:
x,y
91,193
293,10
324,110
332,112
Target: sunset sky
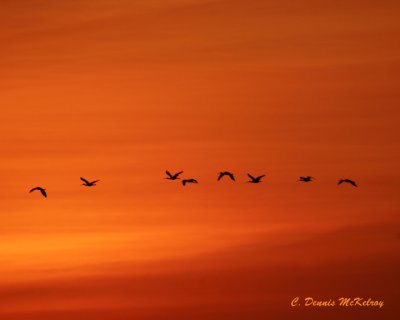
x,y
122,90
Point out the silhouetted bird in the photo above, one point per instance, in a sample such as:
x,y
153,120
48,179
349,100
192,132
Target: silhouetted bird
x,y
255,180
43,191
189,181
173,176
89,183
306,179
226,173
353,183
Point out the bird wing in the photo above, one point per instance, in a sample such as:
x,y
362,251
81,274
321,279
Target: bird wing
x,y
251,177
184,182
178,173
85,181
221,174
43,192
340,181
168,173
352,183
260,177
93,182
37,188
232,176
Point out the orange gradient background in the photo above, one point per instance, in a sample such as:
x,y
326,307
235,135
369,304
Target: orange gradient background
x,y
122,90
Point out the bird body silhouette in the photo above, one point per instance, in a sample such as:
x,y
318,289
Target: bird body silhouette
x,y
89,183
353,183
185,181
42,191
173,176
255,179
306,179
226,173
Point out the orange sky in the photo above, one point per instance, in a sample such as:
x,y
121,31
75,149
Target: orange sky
x,y
122,90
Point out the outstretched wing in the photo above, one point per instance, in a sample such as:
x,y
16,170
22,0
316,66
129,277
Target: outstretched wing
x,y
221,174
260,177
85,181
352,183
93,182
251,177
231,176
340,181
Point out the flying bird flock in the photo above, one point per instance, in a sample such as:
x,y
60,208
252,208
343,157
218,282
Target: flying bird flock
x,y
228,176
253,179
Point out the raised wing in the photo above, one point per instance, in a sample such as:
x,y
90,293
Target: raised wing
x,y
251,177
85,181
168,173
178,173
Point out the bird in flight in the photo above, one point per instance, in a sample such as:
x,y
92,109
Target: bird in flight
x,y
184,181
255,180
353,183
42,191
89,183
306,179
173,176
226,173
